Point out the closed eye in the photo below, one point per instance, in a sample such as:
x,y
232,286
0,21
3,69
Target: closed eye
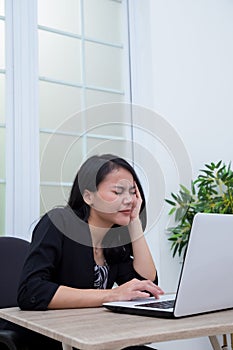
x,y
120,190
115,192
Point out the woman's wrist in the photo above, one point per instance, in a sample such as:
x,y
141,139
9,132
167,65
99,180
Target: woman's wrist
x,y
135,228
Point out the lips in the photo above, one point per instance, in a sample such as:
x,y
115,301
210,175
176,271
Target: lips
x,y
126,211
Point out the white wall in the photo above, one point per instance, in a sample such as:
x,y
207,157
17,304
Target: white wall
x,y
191,43
182,68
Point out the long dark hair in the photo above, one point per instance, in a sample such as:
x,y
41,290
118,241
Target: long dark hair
x,y
92,172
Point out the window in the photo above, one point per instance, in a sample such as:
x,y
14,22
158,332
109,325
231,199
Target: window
x,y
82,53
67,61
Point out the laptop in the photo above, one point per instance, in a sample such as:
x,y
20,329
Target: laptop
x,y
206,278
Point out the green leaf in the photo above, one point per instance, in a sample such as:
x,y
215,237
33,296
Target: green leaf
x,y
180,213
175,250
170,202
185,189
213,165
172,211
209,173
193,188
209,166
173,238
174,196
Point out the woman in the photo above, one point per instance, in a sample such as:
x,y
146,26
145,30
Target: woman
x,y
78,252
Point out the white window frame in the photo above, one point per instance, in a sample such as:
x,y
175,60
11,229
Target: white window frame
x,y
22,130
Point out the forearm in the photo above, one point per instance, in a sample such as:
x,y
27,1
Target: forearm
x,y
67,298
143,262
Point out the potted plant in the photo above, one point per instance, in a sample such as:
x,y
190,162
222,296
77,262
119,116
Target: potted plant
x,y
211,192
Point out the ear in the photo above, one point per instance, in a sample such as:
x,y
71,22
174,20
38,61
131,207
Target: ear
x,y
88,197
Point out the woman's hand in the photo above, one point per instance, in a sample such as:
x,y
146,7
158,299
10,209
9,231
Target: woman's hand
x,y
135,226
136,289
143,262
137,202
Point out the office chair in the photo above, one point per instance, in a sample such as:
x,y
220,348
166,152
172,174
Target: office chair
x,y
12,255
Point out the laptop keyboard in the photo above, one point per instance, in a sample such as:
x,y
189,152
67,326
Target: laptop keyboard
x,y
166,304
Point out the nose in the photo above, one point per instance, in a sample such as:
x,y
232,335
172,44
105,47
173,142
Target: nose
x,y
127,198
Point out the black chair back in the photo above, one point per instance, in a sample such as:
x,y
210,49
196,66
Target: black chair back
x,y
12,337
13,251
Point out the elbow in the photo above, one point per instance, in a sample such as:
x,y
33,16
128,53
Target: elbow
x,y
21,298
27,301
30,300
35,296
31,303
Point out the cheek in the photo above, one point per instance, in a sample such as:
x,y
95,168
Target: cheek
x,y
112,203
108,198
109,203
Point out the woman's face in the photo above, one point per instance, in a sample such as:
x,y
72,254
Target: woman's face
x,y
114,200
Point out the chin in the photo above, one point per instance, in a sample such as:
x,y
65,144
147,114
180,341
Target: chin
x,y
122,222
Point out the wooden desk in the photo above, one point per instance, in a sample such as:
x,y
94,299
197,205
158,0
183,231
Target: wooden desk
x,y
100,329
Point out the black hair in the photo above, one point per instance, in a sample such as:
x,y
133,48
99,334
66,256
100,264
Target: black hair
x,y
92,172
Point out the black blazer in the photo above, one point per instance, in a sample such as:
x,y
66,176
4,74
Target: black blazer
x,y
61,253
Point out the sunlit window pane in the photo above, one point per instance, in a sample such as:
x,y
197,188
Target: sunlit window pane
x,y
60,157
52,196
60,14
59,57
98,97
104,66
2,44
123,149
2,98
107,119
72,160
103,20
2,209
59,114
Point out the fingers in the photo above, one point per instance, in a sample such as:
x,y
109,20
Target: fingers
x,y
136,203
139,295
137,289
148,286
138,194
